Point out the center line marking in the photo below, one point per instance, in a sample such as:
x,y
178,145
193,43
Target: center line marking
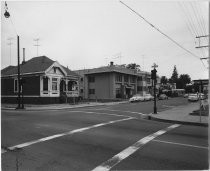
x,y
107,165
63,134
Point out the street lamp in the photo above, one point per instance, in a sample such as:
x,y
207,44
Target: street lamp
x,y
7,15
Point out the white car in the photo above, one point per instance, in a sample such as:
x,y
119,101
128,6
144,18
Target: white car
x,y
136,98
193,97
148,97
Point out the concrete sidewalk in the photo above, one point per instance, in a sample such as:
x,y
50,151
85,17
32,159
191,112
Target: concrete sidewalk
x,y
35,107
181,114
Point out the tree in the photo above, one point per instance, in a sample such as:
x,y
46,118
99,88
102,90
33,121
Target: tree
x,y
163,80
174,77
133,66
183,80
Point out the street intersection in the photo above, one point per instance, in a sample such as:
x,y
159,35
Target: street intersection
x,y
101,138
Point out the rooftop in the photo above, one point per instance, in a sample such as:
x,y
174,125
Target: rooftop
x,y
35,65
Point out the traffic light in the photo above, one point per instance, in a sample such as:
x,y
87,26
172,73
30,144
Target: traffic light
x,y
153,74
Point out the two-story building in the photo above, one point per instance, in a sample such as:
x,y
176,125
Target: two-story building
x,y
113,82
44,81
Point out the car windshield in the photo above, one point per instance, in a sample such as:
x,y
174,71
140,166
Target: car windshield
x,y
137,95
193,95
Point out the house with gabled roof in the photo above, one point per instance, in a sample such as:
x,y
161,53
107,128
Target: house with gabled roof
x,y
44,81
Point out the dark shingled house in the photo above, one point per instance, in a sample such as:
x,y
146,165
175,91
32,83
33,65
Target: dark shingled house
x,y
45,81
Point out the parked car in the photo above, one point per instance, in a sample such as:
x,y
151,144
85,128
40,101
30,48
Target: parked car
x,y
148,97
186,95
136,98
193,97
202,96
162,97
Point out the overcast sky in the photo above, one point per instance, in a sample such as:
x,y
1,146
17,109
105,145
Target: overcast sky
x,y
87,34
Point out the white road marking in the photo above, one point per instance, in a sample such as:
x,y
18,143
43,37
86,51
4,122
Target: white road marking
x,y
187,145
120,111
111,114
64,134
107,165
168,106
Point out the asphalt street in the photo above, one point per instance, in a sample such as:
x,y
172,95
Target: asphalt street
x,y
104,137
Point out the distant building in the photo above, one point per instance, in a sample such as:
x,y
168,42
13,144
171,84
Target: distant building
x,y
45,81
113,82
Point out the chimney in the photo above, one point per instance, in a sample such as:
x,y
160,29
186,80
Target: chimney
x,y
23,56
111,63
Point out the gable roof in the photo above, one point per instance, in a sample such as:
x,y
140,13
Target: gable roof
x,y
69,72
34,65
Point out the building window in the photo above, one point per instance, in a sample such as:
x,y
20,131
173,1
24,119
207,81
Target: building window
x,y
148,80
54,84
81,90
91,79
81,79
45,84
139,78
139,88
91,91
118,93
118,78
126,78
133,80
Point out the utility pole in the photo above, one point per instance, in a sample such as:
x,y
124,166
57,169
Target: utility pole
x,y
154,78
10,47
19,86
202,46
37,46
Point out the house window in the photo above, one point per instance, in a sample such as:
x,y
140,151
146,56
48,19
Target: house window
x,y
118,78
54,68
45,84
91,79
54,84
16,86
70,86
81,90
91,91
81,79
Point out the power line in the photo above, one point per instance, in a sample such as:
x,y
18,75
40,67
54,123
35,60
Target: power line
x,y
160,31
188,24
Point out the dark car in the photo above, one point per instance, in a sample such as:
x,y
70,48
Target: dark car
x,y
162,97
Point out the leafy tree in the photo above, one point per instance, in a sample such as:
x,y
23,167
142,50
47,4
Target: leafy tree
x,y
163,80
174,78
133,66
183,80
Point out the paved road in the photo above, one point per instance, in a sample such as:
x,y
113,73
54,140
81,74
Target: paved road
x,y
111,137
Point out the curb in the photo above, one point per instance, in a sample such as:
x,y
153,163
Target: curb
x,y
178,122
60,108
